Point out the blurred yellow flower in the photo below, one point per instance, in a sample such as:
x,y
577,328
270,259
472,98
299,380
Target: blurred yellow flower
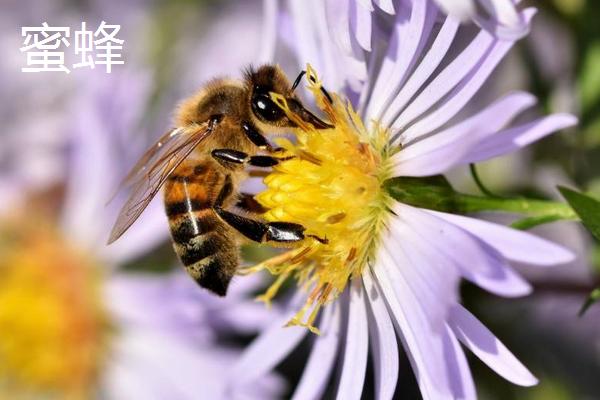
x,y
52,325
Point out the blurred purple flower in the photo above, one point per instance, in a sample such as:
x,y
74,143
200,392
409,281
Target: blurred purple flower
x,y
405,74
155,336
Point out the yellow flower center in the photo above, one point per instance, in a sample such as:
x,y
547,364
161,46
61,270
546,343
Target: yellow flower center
x,y
332,185
52,326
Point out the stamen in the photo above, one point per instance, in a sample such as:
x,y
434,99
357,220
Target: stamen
x,y
333,187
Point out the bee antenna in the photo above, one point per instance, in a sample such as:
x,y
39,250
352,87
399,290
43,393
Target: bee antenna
x,y
297,81
249,72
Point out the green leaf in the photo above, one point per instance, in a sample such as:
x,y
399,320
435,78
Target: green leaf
x,y
593,297
586,207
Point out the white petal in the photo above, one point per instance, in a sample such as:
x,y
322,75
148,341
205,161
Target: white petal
x,y
419,286
446,80
464,91
441,151
488,348
403,49
266,351
354,362
503,10
322,356
360,22
338,18
269,34
461,9
384,345
423,71
513,244
513,139
417,248
461,379
422,344
306,44
386,5
329,51
461,94
366,4
162,365
460,250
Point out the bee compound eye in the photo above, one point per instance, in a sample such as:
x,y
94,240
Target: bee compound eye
x,y
265,108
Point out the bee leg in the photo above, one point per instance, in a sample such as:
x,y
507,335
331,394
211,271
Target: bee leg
x,y
261,232
230,156
258,139
247,202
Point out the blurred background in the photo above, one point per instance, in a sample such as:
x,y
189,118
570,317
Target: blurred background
x,y
82,320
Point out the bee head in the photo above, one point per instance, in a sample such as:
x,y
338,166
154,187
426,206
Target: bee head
x,y
270,78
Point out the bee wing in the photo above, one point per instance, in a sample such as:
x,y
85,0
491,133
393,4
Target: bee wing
x,y
152,170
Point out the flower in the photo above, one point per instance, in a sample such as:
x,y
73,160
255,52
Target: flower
x,y
69,330
73,325
500,17
385,272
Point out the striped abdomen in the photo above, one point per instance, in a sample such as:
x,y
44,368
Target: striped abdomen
x,y
204,243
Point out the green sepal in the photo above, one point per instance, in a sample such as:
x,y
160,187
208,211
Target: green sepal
x,y
433,193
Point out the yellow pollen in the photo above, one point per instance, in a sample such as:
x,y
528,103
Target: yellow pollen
x,y
52,326
332,185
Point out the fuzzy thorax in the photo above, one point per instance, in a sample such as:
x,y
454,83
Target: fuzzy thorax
x,y
333,187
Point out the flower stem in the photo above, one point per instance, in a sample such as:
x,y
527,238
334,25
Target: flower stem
x,y
436,193
535,208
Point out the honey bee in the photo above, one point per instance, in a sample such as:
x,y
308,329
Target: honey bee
x,y
201,163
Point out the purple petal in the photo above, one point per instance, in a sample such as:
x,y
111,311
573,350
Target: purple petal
x,y
505,21
306,44
462,93
460,250
432,274
360,22
384,344
423,71
322,356
513,244
461,379
488,348
462,10
269,34
356,347
446,80
419,286
323,38
266,351
422,344
386,5
443,150
338,19
406,43
366,4
515,138
152,366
